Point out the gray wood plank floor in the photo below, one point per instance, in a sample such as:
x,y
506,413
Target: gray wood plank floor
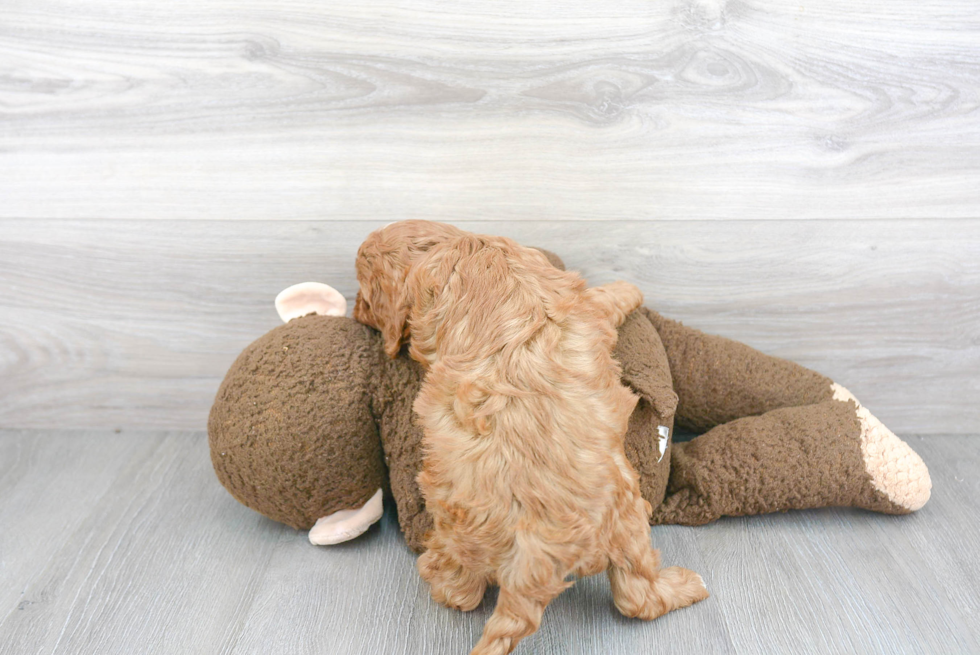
x,y
126,543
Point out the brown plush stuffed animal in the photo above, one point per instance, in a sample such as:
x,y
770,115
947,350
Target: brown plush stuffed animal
x,y
313,424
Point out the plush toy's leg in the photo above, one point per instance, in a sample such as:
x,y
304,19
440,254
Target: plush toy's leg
x,y
833,453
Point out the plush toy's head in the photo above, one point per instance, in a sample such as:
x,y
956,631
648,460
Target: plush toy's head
x,y
313,421
291,432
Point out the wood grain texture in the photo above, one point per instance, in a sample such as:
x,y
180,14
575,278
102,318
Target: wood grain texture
x,y
703,109
154,564
134,323
123,543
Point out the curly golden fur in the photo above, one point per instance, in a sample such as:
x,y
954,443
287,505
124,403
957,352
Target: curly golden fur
x,y
523,416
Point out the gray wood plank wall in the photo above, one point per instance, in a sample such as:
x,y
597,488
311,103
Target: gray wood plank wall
x,y
805,178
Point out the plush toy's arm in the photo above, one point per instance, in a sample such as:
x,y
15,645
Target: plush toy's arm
x,y
780,436
718,380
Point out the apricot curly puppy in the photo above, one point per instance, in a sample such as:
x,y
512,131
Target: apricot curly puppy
x,y
523,416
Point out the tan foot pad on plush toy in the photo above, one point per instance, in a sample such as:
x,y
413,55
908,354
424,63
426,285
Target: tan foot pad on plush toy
x,y
347,523
895,469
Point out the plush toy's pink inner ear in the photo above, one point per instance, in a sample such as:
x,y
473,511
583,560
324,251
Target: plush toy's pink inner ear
x,y
310,298
346,524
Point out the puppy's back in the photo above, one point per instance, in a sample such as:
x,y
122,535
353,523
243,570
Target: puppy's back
x,y
522,390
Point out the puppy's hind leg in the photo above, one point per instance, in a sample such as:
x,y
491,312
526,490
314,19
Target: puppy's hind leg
x,y
528,581
517,615
615,301
640,587
450,583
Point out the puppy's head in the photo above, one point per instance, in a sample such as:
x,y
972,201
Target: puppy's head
x,y
383,263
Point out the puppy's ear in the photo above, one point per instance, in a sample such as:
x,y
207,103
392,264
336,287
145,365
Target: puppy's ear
x,y
393,311
425,297
380,301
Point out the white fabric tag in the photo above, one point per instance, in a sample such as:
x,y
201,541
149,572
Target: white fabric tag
x,y
664,432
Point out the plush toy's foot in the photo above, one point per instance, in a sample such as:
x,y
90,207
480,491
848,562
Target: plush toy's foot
x,y
347,523
896,470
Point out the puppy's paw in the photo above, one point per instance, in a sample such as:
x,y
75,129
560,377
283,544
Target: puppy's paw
x,y
450,584
615,301
683,586
647,598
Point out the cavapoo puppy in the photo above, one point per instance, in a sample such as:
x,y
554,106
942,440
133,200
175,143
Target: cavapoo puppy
x,y
523,416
